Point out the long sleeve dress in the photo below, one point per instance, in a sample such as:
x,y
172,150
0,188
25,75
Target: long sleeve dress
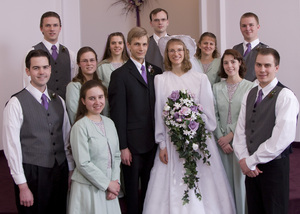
x,y
227,107
97,157
166,187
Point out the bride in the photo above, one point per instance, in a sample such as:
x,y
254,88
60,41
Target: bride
x,y
166,187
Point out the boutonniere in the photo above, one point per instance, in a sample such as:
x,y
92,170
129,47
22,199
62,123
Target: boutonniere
x,y
63,49
53,95
150,69
272,93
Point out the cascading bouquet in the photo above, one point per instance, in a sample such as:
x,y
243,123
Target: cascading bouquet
x,y
187,131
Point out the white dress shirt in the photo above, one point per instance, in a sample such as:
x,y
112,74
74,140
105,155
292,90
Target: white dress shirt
x,y
12,123
48,45
139,65
156,38
284,131
253,44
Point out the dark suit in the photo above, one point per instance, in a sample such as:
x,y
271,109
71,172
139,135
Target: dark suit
x,y
249,59
153,55
131,102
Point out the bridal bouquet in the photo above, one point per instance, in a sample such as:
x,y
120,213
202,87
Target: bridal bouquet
x,y
187,131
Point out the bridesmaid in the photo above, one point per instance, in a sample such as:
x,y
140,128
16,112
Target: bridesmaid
x,y
207,56
228,95
95,147
115,55
87,63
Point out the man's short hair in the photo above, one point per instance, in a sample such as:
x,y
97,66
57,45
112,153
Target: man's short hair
x,y
49,14
250,14
156,11
269,51
36,53
136,32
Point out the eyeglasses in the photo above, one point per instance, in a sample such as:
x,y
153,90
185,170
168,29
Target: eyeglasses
x,y
86,60
172,51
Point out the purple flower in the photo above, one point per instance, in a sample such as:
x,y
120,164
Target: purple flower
x,y
174,96
193,126
176,115
194,108
185,111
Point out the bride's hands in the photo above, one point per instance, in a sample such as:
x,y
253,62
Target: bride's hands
x,y
163,155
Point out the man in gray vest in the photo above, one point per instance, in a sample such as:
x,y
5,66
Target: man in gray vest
x,y
159,22
36,141
249,26
266,127
62,60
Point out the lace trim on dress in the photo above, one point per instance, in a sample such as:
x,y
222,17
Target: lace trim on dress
x,y
231,88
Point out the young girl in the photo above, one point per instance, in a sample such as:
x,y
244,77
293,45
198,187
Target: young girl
x,y
207,56
87,64
228,95
95,147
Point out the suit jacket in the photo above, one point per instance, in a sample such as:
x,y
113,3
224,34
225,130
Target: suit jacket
x,y
153,55
131,102
222,106
249,59
90,151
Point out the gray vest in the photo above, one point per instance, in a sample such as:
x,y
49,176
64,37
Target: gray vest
x,y
41,132
153,55
250,59
260,121
60,70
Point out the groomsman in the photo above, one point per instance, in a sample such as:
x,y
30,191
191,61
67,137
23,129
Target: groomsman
x,y
249,26
36,141
266,127
62,60
159,21
131,98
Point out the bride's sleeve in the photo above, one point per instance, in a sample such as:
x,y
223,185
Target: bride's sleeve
x,y
206,99
160,128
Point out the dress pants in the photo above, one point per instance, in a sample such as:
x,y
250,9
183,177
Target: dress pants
x,y
49,187
268,193
137,173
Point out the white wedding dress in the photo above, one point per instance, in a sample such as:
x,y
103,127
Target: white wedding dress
x,y
166,188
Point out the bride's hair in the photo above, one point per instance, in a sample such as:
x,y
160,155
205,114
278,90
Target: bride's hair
x,y
186,65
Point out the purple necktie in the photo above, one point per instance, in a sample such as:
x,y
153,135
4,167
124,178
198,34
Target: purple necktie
x,y
54,52
144,74
248,49
259,97
45,101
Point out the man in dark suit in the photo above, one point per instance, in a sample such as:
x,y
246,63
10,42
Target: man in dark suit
x,y
249,26
159,22
131,98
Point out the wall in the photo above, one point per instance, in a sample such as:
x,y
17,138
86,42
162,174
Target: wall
x,y
20,30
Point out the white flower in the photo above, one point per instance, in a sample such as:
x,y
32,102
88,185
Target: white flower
x,y
186,132
195,146
187,142
167,108
177,105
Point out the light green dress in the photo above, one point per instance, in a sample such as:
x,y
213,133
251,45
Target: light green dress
x,y
212,72
97,158
224,105
72,99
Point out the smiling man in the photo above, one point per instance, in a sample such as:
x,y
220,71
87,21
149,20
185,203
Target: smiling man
x,y
266,127
159,21
249,26
131,98
35,141
61,59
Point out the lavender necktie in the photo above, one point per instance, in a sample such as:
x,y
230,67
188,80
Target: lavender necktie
x,y
45,101
259,97
248,49
144,74
54,52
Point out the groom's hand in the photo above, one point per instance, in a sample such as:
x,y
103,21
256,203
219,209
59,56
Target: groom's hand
x,y
126,156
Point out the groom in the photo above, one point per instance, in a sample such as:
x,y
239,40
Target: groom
x,y
131,98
